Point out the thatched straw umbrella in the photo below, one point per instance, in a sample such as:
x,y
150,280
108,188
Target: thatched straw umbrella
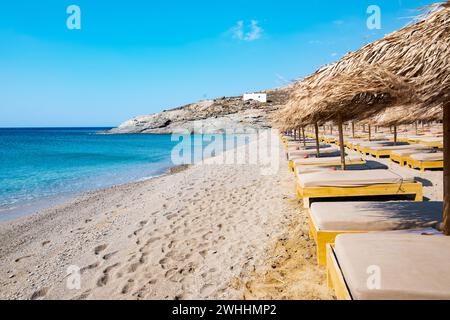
x,y
382,74
406,115
362,92
417,54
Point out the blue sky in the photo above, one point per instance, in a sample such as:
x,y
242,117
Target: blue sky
x,y
138,57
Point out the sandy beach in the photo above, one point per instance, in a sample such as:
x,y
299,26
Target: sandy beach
x,y
207,232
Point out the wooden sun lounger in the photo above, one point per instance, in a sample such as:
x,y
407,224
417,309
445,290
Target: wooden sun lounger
x,y
379,152
423,163
401,156
385,149
364,147
335,278
328,220
431,142
410,187
411,266
292,147
325,161
327,139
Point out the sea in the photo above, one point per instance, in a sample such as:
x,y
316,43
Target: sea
x,y
41,167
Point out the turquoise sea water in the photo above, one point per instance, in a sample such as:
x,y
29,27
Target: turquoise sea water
x,y
37,165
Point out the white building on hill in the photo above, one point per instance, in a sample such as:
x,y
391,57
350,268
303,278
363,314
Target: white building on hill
x,y
261,97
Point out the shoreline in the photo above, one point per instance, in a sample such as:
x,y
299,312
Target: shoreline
x,y
26,209
194,234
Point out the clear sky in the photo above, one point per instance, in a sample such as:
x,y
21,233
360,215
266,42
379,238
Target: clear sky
x,y
138,57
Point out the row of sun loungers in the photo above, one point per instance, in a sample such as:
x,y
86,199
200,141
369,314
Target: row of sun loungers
x,y
368,247
355,183
419,154
328,220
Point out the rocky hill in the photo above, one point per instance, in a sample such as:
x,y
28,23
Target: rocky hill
x,y
209,116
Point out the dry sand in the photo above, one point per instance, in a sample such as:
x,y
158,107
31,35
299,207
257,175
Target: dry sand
x,y
203,233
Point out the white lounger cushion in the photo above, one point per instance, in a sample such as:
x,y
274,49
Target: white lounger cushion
x,y
410,266
300,146
370,165
432,139
408,152
352,178
327,160
402,147
376,216
414,138
374,143
299,153
434,156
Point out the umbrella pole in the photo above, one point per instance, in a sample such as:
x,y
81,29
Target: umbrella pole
x,y
370,133
353,129
316,129
395,135
304,137
341,142
446,125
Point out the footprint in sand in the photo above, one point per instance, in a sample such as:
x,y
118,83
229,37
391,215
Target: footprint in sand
x,y
44,243
103,280
39,294
109,255
83,296
163,263
127,287
22,258
143,223
133,267
143,258
100,248
172,243
89,267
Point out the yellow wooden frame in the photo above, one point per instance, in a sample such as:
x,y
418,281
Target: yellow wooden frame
x,y
336,163
379,153
423,165
374,190
329,140
433,144
335,278
364,150
323,238
402,160
291,166
401,140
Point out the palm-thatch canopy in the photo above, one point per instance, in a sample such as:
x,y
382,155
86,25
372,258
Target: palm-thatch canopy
x,y
403,115
408,67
